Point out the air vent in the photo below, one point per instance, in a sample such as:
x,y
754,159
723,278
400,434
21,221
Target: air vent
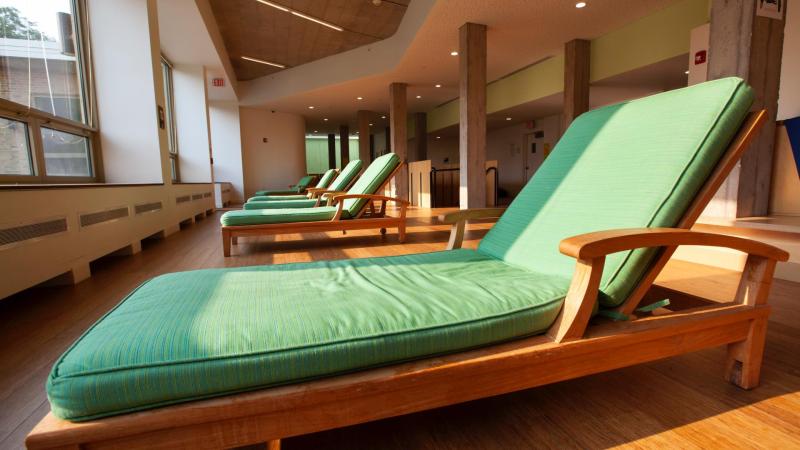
x,y
148,207
31,231
197,197
207,195
103,216
182,199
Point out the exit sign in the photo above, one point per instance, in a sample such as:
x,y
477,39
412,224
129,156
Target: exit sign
x,y
218,82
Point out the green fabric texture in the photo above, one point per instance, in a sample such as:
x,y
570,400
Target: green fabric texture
x,y
281,204
346,176
272,198
206,333
326,178
299,187
283,215
371,180
634,164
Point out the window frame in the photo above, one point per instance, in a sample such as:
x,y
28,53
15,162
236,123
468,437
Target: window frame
x,y
169,118
36,119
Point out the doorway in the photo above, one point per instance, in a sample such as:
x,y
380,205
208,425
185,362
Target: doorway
x,y
532,154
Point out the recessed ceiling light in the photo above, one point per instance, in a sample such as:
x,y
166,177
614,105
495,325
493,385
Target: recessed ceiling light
x,y
356,132
508,118
454,53
438,137
359,98
419,96
687,72
301,15
325,119
310,107
261,61
370,124
438,85
315,131
580,5
383,117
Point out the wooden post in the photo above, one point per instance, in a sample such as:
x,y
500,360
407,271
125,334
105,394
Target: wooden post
x,y
576,80
472,122
388,136
420,152
331,151
399,136
363,137
749,46
344,144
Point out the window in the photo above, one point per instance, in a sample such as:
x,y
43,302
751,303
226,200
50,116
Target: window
x,y
47,131
172,136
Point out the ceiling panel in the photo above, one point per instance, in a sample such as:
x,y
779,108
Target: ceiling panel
x,y
250,28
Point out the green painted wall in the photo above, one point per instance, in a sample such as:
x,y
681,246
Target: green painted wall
x,y
659,36
317,154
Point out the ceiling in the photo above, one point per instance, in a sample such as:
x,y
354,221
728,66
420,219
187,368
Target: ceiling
x,y
520,32
253,29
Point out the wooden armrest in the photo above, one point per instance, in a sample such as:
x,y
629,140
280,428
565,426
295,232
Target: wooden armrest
x,y
591,250
315,189
459,221
471,214
384,198
602,243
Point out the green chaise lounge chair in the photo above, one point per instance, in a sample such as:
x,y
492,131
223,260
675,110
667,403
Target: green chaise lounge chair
x,y
315,196
323,183
298,188
299,348
353,210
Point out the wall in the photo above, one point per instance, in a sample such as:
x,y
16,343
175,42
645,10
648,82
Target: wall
x,y
280,161
191,123
226,146
125,91
785,193
789,94
317,153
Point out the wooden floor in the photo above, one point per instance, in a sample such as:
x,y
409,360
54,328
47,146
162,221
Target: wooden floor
x,y
677,403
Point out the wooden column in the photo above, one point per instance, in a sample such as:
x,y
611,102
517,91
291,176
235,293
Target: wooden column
x,y
399,136
576,80
344,144
388,136
331,151
420,152
472,111
363,137
749,46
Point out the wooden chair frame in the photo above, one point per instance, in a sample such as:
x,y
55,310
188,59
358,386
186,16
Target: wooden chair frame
x,y
570,349
367,218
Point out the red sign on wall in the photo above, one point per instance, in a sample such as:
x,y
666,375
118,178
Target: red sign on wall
x,y
700,57
218,82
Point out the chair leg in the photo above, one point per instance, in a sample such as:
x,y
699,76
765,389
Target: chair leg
x,y
235,240
226,243
401,232
274,445
743,365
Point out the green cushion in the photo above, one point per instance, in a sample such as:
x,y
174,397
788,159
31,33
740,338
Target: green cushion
x,y
371,180
326,178
283,215
278,204
635,164
206,333
346,176
269,198
299,187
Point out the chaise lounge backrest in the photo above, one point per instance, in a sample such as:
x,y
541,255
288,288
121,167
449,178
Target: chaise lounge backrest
x,y
629,165
326,178
346,176
370,181
303,183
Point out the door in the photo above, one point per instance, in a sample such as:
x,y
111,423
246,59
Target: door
x,y
533,153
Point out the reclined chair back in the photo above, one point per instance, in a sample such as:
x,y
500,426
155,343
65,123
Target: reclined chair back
x,y
346,176
326,178
371,181
630,165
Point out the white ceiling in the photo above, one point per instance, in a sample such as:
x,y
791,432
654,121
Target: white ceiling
x,y
185,40
520,32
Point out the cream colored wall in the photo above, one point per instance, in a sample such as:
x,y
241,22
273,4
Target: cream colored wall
x,y
191,121
281,160
785,193
226,145
789,94
124,80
